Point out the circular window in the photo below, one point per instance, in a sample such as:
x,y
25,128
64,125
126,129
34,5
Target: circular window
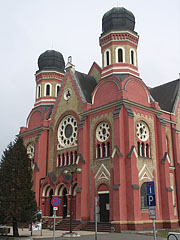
x,y
142,131
103,131
30,150
67,131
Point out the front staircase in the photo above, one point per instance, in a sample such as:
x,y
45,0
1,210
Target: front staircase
x,y
65,225
101,227
77,225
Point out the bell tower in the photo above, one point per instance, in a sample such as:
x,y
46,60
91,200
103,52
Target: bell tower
x,y
119,43
49,77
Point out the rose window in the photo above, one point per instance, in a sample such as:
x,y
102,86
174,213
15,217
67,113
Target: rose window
x,y
142,131
30,150
67,131
103,131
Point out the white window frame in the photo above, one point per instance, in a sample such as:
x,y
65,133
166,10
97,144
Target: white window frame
x,y
37,93
57,85
50,89
123,52
105,57
132,50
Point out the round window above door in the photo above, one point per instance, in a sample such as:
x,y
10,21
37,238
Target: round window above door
x,y
67,131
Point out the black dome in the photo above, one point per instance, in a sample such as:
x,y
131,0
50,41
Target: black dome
x,y
118,18
51,60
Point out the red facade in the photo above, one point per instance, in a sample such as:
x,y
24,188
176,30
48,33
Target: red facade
x,y
111,125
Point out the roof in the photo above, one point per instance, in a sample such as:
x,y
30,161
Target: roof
x,y
87,84
166,94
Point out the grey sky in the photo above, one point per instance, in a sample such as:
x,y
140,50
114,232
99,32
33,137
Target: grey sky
x,y
29,27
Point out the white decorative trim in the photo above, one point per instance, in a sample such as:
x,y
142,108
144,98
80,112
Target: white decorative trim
x,y
145,170
103,177
105,57
103,192
37,91
50,90
119,67
123,53
57,85
102,131
102,167
134,55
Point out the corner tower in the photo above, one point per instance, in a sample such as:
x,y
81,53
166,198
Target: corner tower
x,y
49,77
119,43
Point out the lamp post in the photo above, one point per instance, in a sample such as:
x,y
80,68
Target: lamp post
x,y
69,172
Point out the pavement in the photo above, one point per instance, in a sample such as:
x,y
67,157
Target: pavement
x,y
84,235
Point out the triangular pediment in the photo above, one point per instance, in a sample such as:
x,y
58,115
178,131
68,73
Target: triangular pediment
x,y
145,173
102,173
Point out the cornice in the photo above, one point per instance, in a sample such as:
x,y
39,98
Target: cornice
x,y
35,130
129,103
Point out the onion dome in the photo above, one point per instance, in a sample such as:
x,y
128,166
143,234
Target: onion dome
x,y
118,18
51,60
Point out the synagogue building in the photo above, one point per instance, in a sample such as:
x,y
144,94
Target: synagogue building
x,y
108,123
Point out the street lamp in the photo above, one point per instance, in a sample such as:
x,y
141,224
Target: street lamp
x,y
71,172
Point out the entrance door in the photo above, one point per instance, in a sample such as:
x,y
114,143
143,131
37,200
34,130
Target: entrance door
x,y
104,207
64,203
51,206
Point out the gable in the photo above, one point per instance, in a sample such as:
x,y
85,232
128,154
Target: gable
x,y
136,91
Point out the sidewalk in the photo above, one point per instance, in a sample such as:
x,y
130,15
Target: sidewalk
x,y
85,235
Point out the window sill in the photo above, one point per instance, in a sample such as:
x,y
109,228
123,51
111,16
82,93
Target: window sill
x,y
147,158
103,158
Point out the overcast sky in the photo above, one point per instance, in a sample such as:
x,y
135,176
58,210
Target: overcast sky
x,y
30,27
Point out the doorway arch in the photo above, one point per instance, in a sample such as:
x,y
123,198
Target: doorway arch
x,y
103,193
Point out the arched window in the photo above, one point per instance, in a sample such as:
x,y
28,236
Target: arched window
x,y
147,150
75,153
63,159
138,147
107,58
132,57
47,90
98,151
143,139
59,159
38,91
142,149
143,196
104,149
67,158
72,158
108,149
120,55
57,89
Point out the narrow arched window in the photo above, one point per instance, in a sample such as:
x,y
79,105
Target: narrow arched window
x,y
120,55
143,196
39,91
72,158
98,151
67,158
142,149
104,149
75,153
59,159
47,90
108,149
147,150
107,58
132,57
63,159
138,148
57,89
